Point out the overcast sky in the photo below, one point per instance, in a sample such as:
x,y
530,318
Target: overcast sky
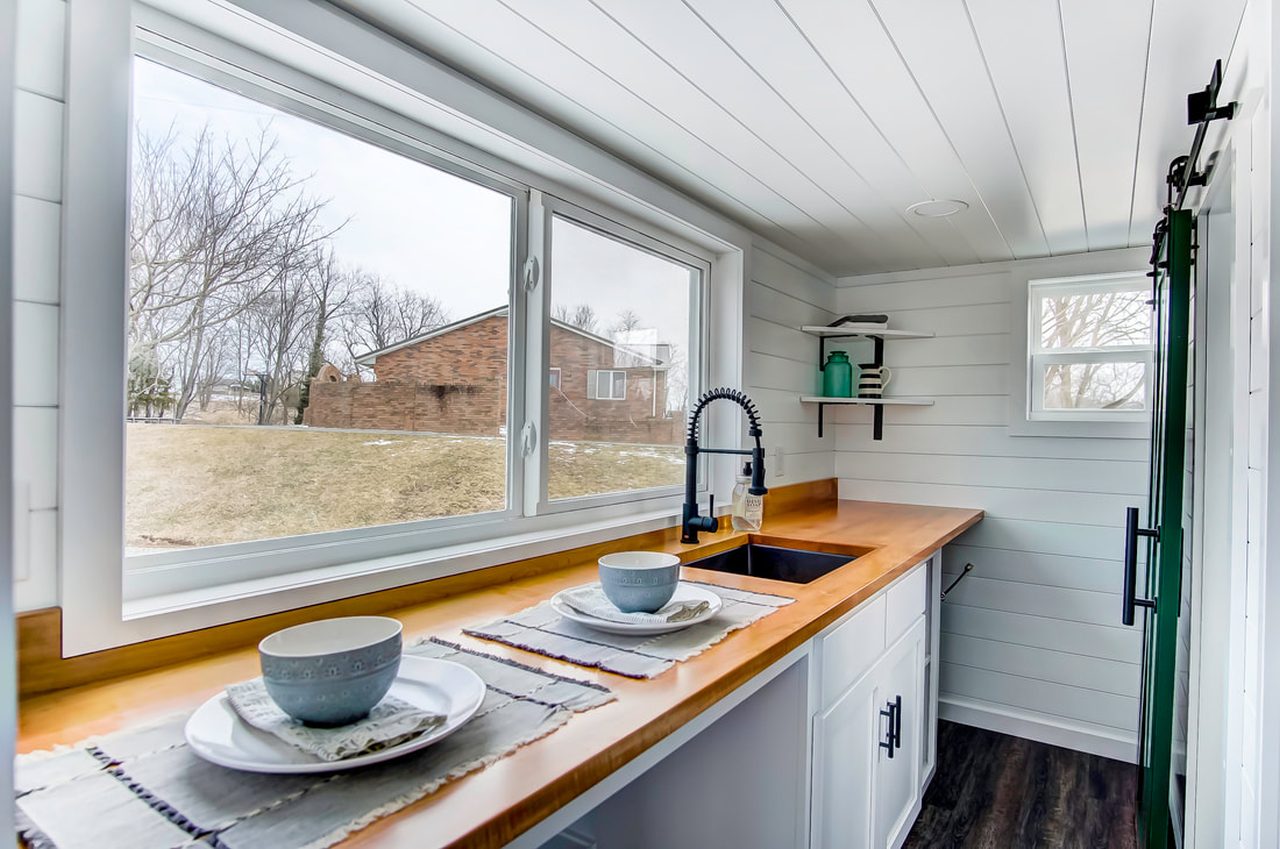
x,y
424,229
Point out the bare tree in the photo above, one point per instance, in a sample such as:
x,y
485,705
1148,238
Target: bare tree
x,y
627,321
214,225
381,314
280,322
582,316
1095,320
331,292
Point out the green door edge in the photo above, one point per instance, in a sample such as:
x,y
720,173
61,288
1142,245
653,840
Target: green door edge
x,y
1154,815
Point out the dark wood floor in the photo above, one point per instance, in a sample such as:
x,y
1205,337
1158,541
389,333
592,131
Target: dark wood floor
x,y
992,791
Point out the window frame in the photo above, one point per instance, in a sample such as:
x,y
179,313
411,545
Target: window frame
x,y
108,607
611,372
160,573
673,249
1038,358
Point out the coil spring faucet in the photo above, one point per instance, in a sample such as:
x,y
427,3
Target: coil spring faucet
x,y
690,521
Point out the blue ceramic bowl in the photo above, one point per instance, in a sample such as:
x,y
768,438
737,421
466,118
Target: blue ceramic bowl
x,y
639,581
333,671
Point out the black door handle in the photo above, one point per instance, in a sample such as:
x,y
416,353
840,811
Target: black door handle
x,y
891,713
1129,598
897,722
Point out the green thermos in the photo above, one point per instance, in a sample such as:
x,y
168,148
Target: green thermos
x,y
837,376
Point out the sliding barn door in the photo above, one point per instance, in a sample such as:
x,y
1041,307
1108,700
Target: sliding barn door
x,y
1153,600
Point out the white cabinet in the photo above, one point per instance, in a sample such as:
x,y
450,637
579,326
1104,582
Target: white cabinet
x,y
872,741
896,779
845,746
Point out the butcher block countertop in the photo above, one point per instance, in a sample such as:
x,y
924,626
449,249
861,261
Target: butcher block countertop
x,y
490,807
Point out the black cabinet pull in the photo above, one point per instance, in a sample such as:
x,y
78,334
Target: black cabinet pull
x,y
893,712
887,744
1129,598
897,722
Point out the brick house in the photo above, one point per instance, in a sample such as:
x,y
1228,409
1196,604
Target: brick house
x,y
453,379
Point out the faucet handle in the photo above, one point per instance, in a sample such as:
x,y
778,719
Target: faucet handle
x,y
713,524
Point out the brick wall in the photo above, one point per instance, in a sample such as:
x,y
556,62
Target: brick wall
x,y
456,383
469,409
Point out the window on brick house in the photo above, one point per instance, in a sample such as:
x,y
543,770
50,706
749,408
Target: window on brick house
x,y
607,385
553,378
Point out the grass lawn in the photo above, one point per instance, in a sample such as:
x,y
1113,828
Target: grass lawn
x,y
191,485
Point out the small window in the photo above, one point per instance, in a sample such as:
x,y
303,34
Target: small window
x,y
1089,349
608,385
553,378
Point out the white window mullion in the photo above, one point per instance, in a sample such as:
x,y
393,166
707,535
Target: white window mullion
x,y
533,292
519,394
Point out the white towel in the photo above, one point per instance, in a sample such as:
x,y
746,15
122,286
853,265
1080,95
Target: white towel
x,y
391,722
590,600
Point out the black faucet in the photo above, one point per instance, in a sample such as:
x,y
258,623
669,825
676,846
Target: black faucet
x,y
690,521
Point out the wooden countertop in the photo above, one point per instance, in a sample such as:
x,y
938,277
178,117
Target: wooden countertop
x,y
494,805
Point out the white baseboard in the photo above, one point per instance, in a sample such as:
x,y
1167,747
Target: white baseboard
x,y
1054,730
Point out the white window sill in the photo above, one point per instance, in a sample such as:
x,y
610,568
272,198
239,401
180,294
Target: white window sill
x,y
1020,425
260,596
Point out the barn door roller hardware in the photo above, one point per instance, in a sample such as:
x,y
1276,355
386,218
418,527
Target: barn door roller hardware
x,y
1185,171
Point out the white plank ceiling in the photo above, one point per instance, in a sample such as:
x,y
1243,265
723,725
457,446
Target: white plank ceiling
x,y
818,122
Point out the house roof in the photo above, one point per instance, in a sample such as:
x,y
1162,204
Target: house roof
x,y
369,358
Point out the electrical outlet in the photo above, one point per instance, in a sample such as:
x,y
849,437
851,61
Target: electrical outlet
x,y
775,462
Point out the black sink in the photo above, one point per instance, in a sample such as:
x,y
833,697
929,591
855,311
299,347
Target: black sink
x,y
770,561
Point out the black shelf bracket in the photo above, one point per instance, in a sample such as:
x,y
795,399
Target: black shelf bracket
x,y
877,411
877,359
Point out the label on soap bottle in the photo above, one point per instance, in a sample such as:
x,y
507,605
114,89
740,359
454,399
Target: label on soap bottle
x,y
753,510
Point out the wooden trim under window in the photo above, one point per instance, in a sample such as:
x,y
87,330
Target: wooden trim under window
x,y
42,668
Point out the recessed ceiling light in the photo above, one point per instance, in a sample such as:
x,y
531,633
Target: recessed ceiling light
x,y
937,208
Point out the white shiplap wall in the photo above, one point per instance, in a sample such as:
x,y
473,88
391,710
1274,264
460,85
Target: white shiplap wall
x,y
1032,641
781,363
38,117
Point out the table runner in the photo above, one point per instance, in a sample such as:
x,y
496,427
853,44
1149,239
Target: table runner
x,y
143,788
541,630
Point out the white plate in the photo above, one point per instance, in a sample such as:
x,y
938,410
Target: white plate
x,y
684,592
216,732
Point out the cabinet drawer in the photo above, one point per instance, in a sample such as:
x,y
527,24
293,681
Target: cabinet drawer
x,y
851,647
906,602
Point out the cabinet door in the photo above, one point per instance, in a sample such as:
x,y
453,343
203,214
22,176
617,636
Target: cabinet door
x,y
900,684
845,738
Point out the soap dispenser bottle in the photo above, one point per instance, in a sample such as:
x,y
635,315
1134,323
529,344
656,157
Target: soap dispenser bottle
x,y
746,510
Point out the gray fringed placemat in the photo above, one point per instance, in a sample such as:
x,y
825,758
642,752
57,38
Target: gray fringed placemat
x,y
143,788
541,630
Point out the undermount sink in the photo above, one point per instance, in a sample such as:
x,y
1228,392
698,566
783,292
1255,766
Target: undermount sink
x,y
794,565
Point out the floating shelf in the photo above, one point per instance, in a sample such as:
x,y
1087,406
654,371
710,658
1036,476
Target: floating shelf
x,y
877,421
824,331
822,399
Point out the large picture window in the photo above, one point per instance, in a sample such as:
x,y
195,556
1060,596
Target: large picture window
x,y
1090,349
317,328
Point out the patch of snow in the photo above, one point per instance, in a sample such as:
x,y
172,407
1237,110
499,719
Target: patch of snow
x,y
381,442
